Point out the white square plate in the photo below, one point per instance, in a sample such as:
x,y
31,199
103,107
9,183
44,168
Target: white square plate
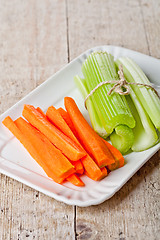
x,y
16,163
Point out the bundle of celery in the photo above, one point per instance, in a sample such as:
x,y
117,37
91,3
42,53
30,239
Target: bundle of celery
x,y
111,115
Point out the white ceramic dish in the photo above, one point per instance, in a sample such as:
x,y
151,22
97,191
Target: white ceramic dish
x,y
16,163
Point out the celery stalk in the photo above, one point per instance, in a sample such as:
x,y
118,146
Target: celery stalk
x,y
113,110
145,135
148,98
122,138
95,120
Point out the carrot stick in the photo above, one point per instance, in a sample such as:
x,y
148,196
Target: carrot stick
x,y
52,156
90,140
78,166
55,117
9,123
61,141
91,168
113,166
40,111
104,172
75,180
119,159
67,119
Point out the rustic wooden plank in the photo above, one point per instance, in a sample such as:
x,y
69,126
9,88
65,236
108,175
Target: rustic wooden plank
x,y
151,21
28,214
52,48
133,213
17,57
33,45
93,23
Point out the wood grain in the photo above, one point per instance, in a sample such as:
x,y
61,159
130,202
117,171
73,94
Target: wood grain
x,y
105,22
36,39
150,11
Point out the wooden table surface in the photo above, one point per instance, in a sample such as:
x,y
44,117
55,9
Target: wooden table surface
x,y
37,38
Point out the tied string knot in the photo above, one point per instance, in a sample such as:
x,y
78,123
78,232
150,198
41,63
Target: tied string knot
x,y
118,84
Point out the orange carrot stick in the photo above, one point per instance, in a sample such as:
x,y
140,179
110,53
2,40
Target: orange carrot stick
x,y
78,166
104,172
91,168
55,117
113,166
90,140
119,159
52,156
9,123
40,111
75,180
62,142
67,119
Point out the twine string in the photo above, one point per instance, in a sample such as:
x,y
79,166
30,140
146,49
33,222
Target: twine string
x,y
118,84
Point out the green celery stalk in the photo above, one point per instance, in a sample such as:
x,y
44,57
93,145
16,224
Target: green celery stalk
x,y
148,98
95,120
145,135
122,138
113,110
